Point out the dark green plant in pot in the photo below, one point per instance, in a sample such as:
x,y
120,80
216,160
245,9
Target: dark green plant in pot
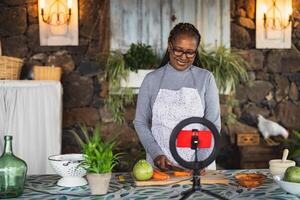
x,y
140,56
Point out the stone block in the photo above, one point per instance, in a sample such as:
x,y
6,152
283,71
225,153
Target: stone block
x,y
289,115
15,46
87,115
240,37
78,90
258,91
254,59
294,92
246,22
13,21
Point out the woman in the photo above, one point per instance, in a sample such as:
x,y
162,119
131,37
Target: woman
x,y
179,89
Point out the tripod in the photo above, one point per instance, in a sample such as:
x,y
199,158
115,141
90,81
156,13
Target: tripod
x,y
196,173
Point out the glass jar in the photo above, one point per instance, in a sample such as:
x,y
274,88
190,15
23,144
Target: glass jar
x,y
12,172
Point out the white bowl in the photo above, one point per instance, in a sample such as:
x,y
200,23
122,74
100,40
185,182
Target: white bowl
x,y
66,165
290,187
277,167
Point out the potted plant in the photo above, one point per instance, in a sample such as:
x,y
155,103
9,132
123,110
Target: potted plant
x,y
293,144
227,66
116,97
124,74
99,159
140,59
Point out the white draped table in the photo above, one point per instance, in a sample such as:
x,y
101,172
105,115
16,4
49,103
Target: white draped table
x,y
31,111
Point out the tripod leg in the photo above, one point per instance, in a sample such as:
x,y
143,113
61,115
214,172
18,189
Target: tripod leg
x,y
187,193
213,194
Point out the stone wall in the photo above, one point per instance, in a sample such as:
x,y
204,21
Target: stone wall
x,y
273,89
275,74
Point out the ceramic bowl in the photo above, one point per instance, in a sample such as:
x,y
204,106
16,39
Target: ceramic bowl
x,y
67,166
250,180
290,187
277,167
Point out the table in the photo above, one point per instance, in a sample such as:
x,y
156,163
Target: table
x,y
44,187
31,111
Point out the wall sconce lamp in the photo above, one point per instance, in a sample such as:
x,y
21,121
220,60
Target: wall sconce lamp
x,y
57,12
273,24
58,22
274,18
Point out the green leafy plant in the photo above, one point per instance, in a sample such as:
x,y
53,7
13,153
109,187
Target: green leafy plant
x,y
98,154
118,97
227,66
115,70
293,144
117,103
140,56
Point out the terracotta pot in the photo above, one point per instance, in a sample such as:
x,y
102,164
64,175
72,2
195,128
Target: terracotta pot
x,y
98,183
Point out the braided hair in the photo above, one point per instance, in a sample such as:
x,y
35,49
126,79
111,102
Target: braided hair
x,y
183,29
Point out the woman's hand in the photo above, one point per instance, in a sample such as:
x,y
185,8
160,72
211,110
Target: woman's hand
x,y
162,162
202,172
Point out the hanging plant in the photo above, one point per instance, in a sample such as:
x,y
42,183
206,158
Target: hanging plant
x,y
117,97
227,66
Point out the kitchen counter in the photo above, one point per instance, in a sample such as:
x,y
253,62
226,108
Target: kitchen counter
x,y
44,187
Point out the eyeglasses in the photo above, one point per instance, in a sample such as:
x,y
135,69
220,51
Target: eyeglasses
x,y
179,52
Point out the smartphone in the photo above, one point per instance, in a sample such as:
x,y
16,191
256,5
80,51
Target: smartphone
x,y
184,139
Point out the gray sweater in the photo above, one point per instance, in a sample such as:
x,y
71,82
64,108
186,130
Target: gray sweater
x,y
173,80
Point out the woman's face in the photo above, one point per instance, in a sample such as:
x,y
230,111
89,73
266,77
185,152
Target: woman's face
x,y
182,52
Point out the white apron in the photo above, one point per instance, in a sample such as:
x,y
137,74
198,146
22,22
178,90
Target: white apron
x,y
171,107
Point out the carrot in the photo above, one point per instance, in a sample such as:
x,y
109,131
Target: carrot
x,y
159,172
181,173
158,175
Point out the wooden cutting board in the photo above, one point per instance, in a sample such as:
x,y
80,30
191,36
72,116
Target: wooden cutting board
x,y
210,177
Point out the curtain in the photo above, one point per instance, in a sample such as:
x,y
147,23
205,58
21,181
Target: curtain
x,y
31,111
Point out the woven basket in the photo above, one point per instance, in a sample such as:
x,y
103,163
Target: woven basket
x,y
46,73
10,67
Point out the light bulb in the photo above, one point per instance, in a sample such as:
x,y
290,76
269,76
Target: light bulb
x,y
263,8
289,10
42,4
70,2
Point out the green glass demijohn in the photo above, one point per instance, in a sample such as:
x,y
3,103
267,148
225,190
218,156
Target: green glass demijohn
x,y
12,172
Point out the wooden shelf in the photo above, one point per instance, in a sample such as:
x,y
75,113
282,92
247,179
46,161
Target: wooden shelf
x,y
258,156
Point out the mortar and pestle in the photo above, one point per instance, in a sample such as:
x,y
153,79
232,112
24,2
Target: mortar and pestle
x,y
278,166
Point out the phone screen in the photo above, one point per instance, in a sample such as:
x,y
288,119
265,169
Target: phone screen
x,y
184,139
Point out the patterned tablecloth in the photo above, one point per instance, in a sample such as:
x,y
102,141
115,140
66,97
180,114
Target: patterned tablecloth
x,y
42,187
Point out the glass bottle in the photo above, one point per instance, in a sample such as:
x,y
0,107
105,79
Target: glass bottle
x,y
12,172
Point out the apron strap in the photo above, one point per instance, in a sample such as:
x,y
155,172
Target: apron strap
x,y
193,77
162,77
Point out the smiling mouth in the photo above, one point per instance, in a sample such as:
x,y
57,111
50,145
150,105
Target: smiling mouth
x,y
182,62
